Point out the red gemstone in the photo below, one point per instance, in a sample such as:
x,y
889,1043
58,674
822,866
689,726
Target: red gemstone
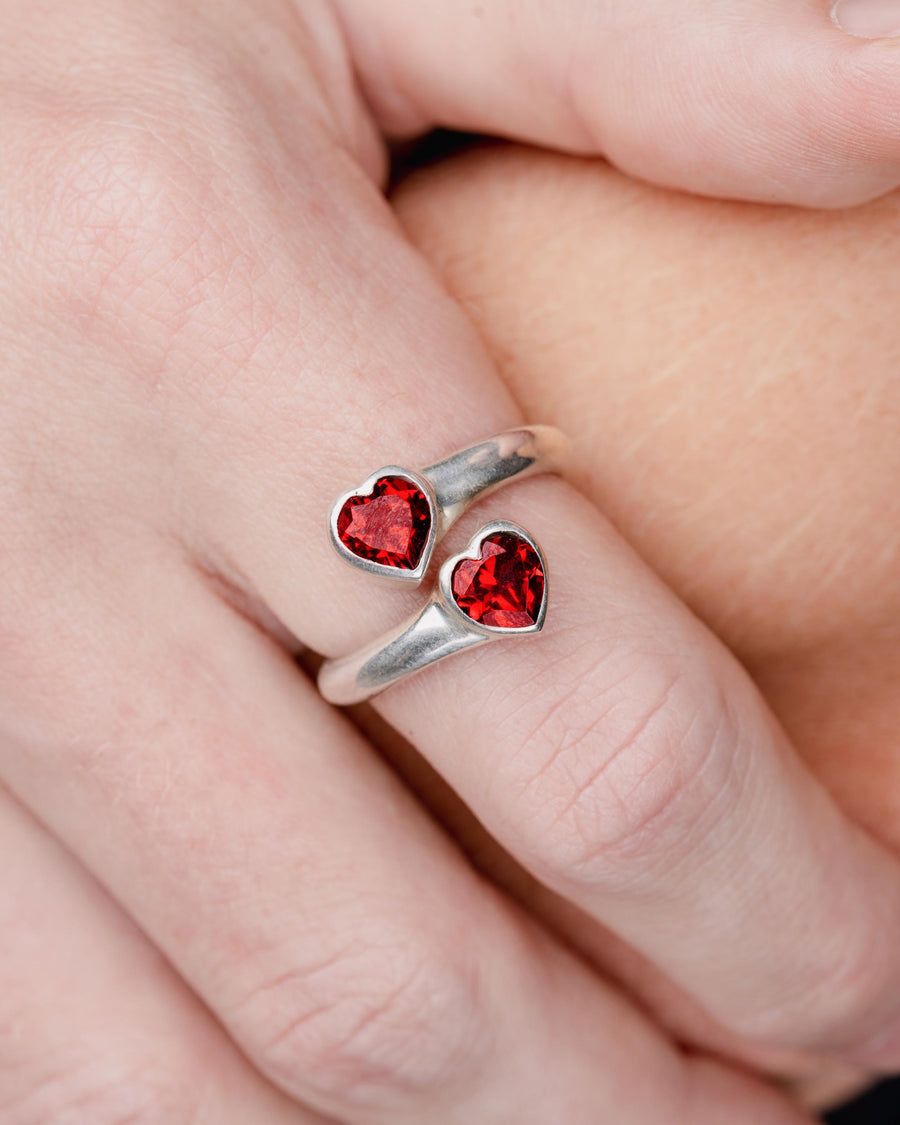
x,y
390,526
505,587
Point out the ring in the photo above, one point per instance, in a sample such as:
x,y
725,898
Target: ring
x,y
496,588
390,525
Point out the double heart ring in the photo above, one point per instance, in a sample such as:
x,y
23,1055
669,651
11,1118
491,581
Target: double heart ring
x,y
496,588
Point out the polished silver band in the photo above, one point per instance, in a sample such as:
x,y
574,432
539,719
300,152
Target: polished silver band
x,y
464,477
455,483
439,630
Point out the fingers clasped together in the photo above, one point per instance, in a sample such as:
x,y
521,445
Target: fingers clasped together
x,y
221,904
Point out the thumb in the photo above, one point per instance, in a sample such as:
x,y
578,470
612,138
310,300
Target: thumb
x,y
752,99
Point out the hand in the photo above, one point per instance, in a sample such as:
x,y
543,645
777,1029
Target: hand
x,y
729,372
218,901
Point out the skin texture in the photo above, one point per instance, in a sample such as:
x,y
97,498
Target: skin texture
x,y
210,324
729,376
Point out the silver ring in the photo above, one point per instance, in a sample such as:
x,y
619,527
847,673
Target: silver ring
x,y
389,526
496,588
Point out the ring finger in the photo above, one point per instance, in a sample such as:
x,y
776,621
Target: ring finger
x,y
340,939
624,757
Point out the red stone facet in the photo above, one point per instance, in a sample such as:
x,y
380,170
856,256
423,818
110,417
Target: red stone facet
x,y
505,587
389,526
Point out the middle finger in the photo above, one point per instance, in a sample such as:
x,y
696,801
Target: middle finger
x,y
624,757
332,930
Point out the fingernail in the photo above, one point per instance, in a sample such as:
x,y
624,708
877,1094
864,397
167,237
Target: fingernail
x,y
869,19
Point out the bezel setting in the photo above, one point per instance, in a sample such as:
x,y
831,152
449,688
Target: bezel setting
x,y
473,552
440,629
408,577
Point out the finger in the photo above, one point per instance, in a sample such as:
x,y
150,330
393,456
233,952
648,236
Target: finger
x,y
95,1028
332,930
627,760
710,531
750,99
632,767
624,757
231,250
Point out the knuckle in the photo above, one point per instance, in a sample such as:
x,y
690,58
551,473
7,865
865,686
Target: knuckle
x,y
822,135
374,1022
860,124
824,1000
830,138
842,122
121,205
623,778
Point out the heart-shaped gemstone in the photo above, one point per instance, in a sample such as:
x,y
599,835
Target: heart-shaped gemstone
x,y
390,526
505,587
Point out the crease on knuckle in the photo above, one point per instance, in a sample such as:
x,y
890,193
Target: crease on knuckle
x,y
827,998
628,774
371,1023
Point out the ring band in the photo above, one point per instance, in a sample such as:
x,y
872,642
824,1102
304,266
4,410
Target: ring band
x,y
496,588
389,526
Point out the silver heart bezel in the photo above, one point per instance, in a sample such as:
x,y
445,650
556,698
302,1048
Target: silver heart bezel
x,y
473,553
395,573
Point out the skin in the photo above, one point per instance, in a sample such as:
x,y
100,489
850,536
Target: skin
x,y
211,324
728,375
